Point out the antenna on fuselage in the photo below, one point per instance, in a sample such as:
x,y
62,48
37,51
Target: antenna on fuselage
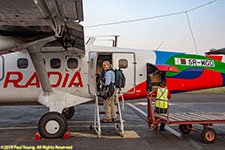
x,y
115,42
160,45
91,41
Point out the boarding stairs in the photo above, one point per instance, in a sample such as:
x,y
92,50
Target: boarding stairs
x,y
119,124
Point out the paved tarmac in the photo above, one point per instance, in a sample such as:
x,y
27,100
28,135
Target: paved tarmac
x,y
18,124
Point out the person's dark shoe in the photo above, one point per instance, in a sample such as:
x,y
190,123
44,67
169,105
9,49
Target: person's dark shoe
x,y
114,120
162,127
106,120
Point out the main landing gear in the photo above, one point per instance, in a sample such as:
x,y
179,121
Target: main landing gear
x,y
68,112
52,125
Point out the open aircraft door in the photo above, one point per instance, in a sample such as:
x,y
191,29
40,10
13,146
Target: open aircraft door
x,y
127,63
92,73
1,67
156,74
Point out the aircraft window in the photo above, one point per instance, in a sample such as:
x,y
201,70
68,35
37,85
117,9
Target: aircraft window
x,y
55,63
22,63
72,63
123,63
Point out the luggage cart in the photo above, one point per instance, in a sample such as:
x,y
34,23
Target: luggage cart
x,y
185,121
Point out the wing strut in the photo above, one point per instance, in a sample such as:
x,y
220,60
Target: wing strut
x,y
39,66
34,50
55,100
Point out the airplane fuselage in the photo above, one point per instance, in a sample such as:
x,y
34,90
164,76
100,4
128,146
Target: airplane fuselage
x,y
70,73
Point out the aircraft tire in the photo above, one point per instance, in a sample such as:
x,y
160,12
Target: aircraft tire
x,y
68,112
52,125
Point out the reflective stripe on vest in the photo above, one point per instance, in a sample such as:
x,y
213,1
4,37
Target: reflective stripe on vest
x,y
162,94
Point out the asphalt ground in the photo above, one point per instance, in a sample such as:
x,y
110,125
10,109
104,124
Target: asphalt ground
x,y
18,124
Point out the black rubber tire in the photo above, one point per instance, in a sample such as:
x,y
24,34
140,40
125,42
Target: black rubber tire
x,y
52,116
208,135
183,128
68,112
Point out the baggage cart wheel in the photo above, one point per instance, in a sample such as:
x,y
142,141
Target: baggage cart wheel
x,y
185,128
208,135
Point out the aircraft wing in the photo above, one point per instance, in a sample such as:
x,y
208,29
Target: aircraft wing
x,y
25,21
216,51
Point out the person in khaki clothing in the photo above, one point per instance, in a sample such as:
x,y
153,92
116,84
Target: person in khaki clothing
x,y
109,103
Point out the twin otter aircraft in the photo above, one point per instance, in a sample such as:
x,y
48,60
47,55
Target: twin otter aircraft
x,y
44,60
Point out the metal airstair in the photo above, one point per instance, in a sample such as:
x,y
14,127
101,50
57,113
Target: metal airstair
x,y
119,125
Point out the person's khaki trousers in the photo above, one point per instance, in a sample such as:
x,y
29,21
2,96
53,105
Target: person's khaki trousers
x,y
109,106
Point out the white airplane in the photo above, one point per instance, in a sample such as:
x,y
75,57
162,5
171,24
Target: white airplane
x,y
44,61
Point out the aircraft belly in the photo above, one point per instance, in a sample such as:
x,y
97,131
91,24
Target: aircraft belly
x,y
19,95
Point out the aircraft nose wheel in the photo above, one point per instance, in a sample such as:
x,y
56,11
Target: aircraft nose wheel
x,y
68,112
52,125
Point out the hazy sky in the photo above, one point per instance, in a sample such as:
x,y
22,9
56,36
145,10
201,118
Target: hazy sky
x,y
208,23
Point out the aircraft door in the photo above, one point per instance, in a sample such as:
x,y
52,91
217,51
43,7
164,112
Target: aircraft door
x,y
1,67
92,73
126,61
